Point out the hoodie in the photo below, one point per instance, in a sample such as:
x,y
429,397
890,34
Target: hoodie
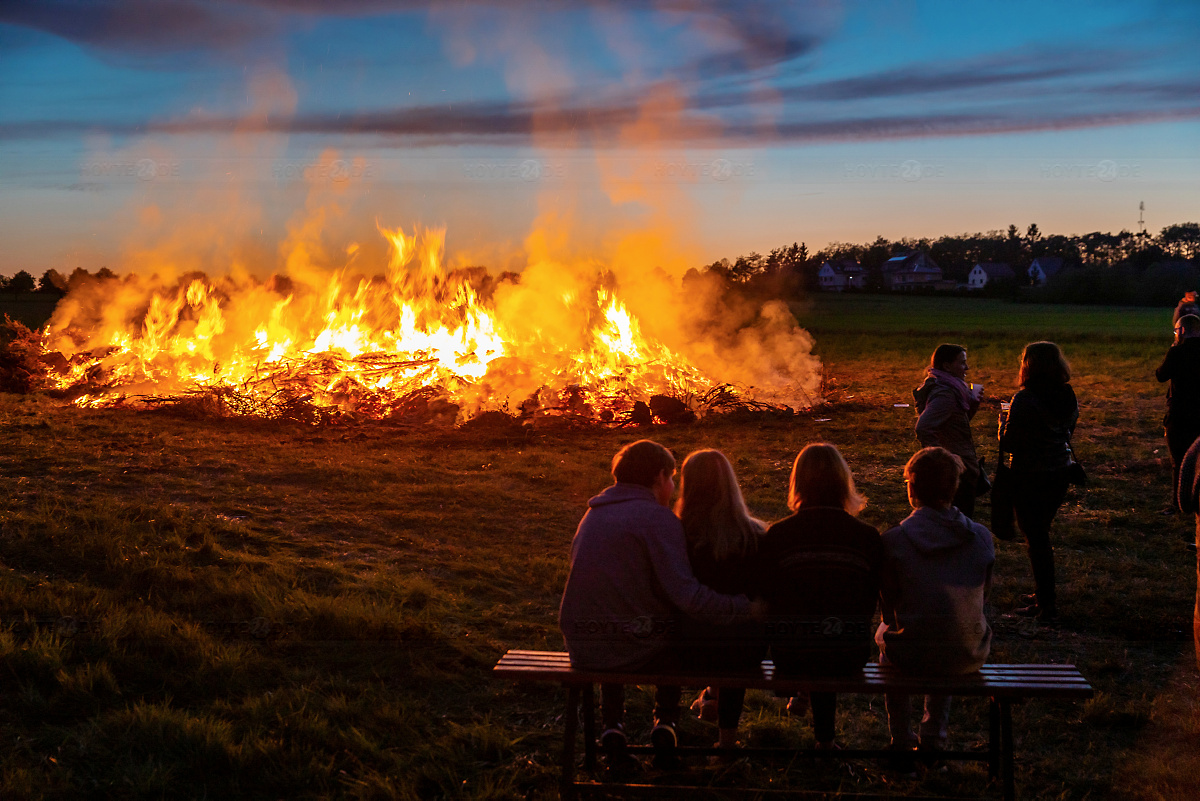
x,y
937,572
629,582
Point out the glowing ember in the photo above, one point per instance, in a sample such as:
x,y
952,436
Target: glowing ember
x,y
372,346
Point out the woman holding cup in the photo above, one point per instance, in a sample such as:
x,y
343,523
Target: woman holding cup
x,y
945,405
1036,430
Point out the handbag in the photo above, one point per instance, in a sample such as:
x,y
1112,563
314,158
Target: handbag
x,y
1075,472
1003,515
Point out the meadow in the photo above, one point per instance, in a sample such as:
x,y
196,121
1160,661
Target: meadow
x,y
199,608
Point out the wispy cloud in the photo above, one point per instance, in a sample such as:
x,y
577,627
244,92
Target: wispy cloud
x,y
722,78
514,124
142,27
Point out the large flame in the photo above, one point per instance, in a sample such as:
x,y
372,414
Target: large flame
x,y
365,345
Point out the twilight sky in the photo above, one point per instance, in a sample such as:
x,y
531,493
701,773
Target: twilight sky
x,y
224,128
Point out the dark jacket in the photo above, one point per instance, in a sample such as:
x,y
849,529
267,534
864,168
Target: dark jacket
x,y
819,573
1189,483
943,423
1181,367
711,647
936,577
1039,426
629,581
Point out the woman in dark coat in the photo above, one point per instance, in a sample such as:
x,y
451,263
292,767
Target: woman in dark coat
x,y
1036,431
946,403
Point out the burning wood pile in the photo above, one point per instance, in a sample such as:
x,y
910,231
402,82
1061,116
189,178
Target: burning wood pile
x,y
418,344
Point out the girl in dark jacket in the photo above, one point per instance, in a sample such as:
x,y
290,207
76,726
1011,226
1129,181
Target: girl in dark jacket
x,y
820,572
1036,431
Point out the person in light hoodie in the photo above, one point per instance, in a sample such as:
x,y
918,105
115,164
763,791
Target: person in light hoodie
x,y
630,586
937,572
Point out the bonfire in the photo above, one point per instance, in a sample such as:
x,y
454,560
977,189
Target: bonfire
x,y
418,342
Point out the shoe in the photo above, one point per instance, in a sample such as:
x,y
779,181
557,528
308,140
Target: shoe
x,y
1035,611
1028,599
798,704
616,752
705,705
902,763
666,746
933,766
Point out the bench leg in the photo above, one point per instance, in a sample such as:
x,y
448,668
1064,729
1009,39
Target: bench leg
x,y
589,728
570,723
993,739
1006,751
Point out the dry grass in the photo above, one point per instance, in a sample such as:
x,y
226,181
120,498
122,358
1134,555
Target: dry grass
x,y
198,608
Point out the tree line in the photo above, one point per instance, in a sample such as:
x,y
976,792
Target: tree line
x,y
52,281
1126,267
1098,267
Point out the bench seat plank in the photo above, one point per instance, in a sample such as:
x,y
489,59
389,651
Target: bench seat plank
x,y
1021,681
1003,684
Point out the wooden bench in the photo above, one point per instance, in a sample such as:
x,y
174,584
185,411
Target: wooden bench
x,y
1003,685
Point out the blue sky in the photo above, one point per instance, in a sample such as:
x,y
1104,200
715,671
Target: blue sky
x,y
746,125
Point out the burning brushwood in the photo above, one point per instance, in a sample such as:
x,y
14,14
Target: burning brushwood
x,y
419,343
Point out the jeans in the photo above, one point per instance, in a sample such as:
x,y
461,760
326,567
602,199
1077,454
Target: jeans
x,y
666,699
1196,611
934,730
1036,499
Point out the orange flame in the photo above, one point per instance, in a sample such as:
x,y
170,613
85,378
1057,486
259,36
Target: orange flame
x,y
367,345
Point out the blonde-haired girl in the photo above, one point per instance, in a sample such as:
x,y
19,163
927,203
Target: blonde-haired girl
x,y
722,539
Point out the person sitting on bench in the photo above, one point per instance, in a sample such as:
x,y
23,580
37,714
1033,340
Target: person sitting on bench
x,y
722,540
629,584
936,576
820,571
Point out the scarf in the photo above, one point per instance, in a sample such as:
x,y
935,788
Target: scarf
x,y
961,391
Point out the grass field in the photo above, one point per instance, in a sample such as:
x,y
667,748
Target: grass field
x,y
212,609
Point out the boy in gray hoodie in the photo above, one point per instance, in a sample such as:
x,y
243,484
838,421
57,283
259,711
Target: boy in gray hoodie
x,y
937,572
630,582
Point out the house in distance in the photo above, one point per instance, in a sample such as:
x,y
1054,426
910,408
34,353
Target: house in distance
x,y
989,274
913,271
1044,268
841,274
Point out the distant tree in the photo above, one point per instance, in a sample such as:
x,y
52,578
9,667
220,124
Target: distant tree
x,y
52,282
721,268
747,267
77,278
21,283
105,274
1181,240
875,254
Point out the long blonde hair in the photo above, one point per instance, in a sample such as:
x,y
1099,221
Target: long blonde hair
x,y
712,509
821,477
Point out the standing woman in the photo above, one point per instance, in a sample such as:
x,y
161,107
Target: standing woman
x,y
1037,433
946,404
722,542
